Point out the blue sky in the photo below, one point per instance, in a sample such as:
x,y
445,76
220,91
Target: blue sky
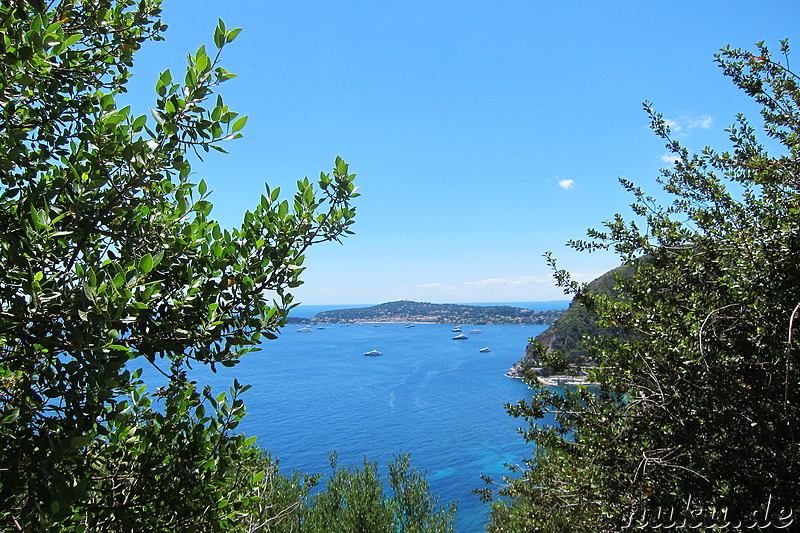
x,y
483,133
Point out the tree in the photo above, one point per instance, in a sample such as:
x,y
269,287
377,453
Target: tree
x,y
354,501
111,260
697,412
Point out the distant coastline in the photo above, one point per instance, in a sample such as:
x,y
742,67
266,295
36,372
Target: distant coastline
x,y
407,311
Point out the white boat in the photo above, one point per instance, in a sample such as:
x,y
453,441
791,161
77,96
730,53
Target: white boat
x,y
373,353
304,330
457,329
475,331
484,350
460,337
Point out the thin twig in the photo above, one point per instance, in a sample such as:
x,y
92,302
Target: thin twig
x,y
788,355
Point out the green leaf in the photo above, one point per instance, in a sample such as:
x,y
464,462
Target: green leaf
x,y
146,263
115,117
239,124
118,347
80,441
164,81
139,122
191,77
72,39
36,217
233,34
283,209
202,63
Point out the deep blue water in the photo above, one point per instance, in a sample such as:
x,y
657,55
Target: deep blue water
x,y
433,397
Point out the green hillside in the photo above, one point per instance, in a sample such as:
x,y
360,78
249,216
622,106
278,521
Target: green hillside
x,y
569,330
409,311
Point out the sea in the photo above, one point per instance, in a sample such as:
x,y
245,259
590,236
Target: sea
x,y
438,399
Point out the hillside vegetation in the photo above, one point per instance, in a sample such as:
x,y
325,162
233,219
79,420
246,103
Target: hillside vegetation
x,y
568,332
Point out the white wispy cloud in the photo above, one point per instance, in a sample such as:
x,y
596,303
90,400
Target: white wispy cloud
x,y
670,158
703,122
430,285
566,184
523,281
689,122
673,125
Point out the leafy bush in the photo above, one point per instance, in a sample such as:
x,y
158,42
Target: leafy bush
x,y
111,261
698,408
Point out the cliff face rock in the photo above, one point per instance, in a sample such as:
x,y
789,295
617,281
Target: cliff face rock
x,y
568,332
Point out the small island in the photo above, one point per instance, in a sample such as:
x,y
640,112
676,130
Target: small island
x,y
423,312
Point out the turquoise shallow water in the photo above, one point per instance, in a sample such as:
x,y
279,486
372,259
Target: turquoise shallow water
x,y
433,397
